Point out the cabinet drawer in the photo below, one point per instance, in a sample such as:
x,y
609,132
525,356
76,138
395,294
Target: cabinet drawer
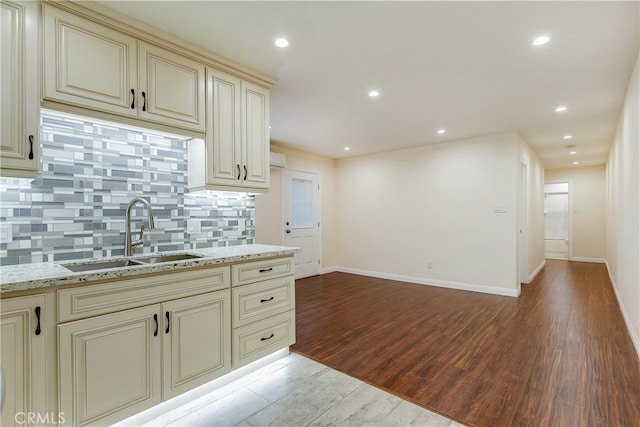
x,y
92,300
255,271
262,338
263,299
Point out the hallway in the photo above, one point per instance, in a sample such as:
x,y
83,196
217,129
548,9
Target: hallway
x,y
559,355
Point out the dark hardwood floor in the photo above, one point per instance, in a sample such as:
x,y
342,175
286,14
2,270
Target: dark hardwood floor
x,y
559,355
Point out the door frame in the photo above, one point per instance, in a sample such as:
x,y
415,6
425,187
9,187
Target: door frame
x,y
284,213
523,226
569,212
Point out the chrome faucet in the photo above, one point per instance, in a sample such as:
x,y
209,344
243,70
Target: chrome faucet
x,y
128,243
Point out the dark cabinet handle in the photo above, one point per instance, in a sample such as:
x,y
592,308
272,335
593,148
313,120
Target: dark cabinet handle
x,y
166,331
267,338
30,147
133,99
245,172
238,166
38,330
266,300
155,317
264,270
144,102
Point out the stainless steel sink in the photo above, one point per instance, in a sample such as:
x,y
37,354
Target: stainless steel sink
x,y
166,258
100,265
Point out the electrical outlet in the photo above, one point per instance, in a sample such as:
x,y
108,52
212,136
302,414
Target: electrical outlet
x,y
194,226
429,263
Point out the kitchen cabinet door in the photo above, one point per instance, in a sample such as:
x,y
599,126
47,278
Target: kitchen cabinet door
x,y
109,366
88,64
196,341
23,339
171,88
224,152
20,90
255,136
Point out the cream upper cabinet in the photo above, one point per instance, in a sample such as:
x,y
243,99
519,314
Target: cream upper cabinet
x,y
224,152
88,64
171,88
235,154
20,96
255,136
23,349
91,65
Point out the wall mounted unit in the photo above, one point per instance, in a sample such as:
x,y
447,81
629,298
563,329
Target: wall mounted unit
x,y
277,160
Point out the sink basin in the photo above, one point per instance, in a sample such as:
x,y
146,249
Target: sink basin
x,y
166,258
100,265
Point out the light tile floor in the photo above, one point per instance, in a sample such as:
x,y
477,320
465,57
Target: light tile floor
x,y
296,391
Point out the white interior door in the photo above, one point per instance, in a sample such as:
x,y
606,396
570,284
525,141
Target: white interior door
x,y
302,220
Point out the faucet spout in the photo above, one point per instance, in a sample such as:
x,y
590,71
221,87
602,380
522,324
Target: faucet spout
x,y
128,242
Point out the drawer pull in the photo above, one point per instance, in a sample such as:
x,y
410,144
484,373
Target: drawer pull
x,y
155,317
264,270
133,99
266,300
245,172
38,329
144,101
166,331
267,338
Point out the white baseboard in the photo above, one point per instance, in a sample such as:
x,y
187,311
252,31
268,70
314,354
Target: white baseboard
x,y
328,270
634,335
433,282
585,259
537,270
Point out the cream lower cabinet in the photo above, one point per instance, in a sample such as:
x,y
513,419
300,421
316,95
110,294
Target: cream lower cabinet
x,y
263,295
118,356
20,90
23,338
116,365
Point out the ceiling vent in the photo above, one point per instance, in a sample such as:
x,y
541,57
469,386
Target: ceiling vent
x,y
277,160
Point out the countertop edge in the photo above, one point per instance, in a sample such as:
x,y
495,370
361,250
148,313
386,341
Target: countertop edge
x,y
53,274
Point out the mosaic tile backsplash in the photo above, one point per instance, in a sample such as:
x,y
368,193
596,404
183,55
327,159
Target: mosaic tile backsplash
x,y
91,170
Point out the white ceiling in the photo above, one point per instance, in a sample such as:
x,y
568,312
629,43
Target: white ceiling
x,y
468,67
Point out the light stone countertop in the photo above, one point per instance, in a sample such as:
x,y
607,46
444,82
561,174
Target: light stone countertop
x,y
47,274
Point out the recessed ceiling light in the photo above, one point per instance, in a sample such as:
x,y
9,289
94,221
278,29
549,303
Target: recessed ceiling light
x,y
573,152
575,163
347,148
282,42
539,41
567,137
441,131
561,108
374,93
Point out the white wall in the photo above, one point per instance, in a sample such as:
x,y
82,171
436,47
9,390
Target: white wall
x,y
623,209
587,195
399,209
